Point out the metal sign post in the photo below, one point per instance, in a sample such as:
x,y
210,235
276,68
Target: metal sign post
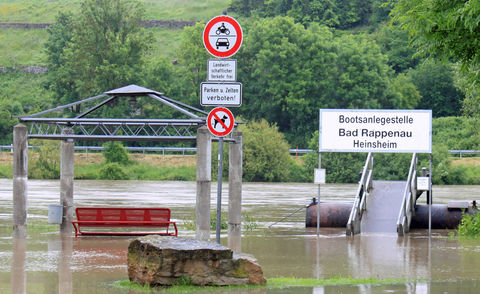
x,y
220,122
318,179
430,200
219,189
222,37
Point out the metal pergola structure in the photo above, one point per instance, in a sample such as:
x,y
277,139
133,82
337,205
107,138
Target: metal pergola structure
x,y
114,129
68,130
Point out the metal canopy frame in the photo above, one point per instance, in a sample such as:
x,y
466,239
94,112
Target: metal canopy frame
x,y
104,129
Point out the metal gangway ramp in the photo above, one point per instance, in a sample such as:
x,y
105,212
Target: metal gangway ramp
x,y
383,206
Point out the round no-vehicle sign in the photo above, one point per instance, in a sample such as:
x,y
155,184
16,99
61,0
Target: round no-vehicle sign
x,y
222,36
220,121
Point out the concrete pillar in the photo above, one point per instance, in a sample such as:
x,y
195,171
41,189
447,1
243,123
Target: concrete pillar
x,y
235,174
20,177
66,182
204,183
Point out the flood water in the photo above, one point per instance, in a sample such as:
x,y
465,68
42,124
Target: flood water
x,y
47,263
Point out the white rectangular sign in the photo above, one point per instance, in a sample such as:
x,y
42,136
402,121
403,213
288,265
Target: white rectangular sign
x,y
224,94
423,183
360,130
319,176
222,70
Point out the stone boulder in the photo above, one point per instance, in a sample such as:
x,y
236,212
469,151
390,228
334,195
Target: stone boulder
x,y
164,260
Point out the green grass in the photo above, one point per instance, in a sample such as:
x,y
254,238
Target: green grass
x,y
34,11
26,46
272,283
6,171
140,172
166,42
301,282
41,11
185,10
22,47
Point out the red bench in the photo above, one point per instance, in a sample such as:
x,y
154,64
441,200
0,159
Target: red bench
x,y
109,217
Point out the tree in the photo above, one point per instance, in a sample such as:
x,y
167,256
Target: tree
x,y
394,43
342,14
444,29
193,58
435,83
289,72
99,49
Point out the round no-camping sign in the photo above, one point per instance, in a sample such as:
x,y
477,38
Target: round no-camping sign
x,y
222,36
220,121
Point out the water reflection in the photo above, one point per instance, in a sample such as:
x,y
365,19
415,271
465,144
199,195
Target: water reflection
x,y
47,263
19,276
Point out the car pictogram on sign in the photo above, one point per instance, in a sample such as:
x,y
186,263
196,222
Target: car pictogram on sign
x,y
222,42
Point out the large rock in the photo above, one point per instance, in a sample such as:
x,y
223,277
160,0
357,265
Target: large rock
x,y
165,260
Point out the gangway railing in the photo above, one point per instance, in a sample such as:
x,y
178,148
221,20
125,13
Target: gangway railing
x,y
407,209
359,205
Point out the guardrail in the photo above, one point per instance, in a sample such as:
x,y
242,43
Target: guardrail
x,y
163,150
461,152
184,150
364,186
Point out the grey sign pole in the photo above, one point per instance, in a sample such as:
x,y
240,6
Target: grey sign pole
x,y
318,200
219,188
430,199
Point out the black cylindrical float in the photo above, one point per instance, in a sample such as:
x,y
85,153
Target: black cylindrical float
x,y
442,217
336,214
332,214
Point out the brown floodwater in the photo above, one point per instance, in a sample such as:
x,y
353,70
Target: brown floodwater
x,y
48,263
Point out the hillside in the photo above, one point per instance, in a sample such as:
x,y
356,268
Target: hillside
x,y
25,46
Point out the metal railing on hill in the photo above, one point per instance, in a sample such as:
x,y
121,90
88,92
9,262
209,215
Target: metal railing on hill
x,y
186,150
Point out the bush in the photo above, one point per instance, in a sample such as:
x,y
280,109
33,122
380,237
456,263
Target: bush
x,y
114,152
47,166
470,225
113,171
266,156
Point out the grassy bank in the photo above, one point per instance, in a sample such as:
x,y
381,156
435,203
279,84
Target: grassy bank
x,y
41,11
144,167
272,283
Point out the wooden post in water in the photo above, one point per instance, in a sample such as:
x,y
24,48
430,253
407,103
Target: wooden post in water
x,y
67,149
20,177
235,174
204,182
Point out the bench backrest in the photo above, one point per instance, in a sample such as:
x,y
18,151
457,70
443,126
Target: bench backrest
x,y
122,214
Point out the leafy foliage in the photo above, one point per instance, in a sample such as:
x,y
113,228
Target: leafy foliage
x,y
447,30
435,83
114,152
469,225
113,171
101,48
47,165
339,14
265,153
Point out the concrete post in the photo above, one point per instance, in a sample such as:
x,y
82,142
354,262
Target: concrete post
x,y
204,183
20,177
66,182
235,174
